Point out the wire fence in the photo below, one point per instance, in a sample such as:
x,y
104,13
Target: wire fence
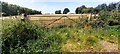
x,y
52,20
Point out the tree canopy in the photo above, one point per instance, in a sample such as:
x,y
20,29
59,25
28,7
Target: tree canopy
x,y
84,10
58,12
102,7
66,10
10,9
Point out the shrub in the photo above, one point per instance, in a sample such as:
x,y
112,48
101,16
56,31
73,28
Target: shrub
x,y
109,18
49,43
18,35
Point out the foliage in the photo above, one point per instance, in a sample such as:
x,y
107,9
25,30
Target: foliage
x,y
110,7
58,12
10,9
112,33
17,35
109,18
102,7
66,10
84,10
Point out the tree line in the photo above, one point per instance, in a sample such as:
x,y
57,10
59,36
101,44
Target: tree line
x,y
84,10
10,10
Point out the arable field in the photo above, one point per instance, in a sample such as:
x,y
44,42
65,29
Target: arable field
x,y
52,20
66,36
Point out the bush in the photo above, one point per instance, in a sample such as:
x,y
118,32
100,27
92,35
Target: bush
x,y
50,43
109,18
18,35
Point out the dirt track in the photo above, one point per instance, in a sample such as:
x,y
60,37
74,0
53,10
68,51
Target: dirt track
x,y
109,47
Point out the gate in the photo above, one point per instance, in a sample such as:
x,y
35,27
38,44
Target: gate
x,y
60,19
54,20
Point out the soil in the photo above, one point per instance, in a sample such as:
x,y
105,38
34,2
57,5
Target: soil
x,y
109,47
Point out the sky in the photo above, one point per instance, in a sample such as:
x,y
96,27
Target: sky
x,y
50,6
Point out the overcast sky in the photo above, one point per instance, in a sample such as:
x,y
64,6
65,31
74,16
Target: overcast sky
x,y
49,6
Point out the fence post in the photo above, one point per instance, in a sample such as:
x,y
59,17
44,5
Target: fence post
x,y
24,17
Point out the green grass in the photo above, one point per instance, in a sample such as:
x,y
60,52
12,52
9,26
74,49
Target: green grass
x,y
65,38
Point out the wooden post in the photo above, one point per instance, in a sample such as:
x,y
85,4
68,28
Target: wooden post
x,y
89,16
